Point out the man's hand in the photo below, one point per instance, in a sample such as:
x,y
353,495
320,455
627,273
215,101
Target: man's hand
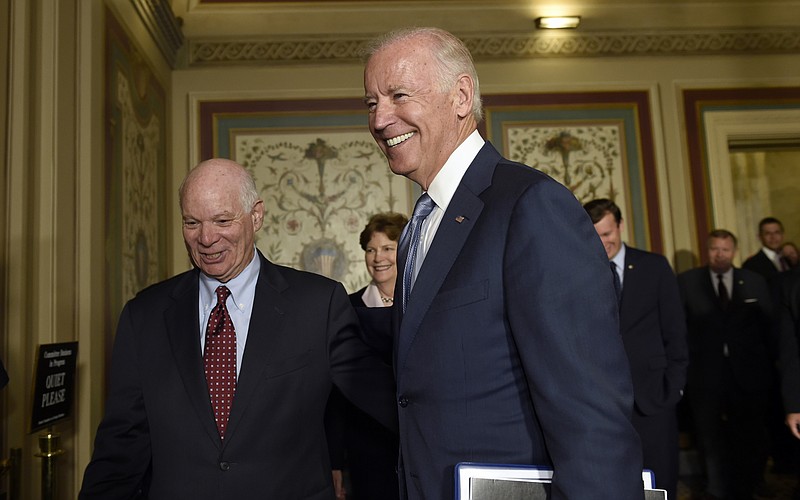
x,y
793,421
338,482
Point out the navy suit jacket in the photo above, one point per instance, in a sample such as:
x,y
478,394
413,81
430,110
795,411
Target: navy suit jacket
x,y
509,349
653,331
303,336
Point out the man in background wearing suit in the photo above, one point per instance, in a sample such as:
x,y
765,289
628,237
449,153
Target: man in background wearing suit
x,y
653,331
789,327
506,332
768,261
789,355
731,352
235,409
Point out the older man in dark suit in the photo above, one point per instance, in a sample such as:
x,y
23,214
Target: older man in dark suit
x,y
220,375
731,353
507,345
654,334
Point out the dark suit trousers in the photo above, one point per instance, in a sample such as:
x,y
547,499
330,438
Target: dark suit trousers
x,y
731,431
659,436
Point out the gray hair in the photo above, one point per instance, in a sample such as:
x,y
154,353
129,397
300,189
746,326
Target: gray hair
x,y
450,52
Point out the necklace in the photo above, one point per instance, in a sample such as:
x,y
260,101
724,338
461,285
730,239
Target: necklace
x,y
387,300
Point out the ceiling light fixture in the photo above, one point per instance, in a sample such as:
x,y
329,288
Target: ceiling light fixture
x,y
558,23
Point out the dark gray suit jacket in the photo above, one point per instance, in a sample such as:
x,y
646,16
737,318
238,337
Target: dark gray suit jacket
x,y
303,336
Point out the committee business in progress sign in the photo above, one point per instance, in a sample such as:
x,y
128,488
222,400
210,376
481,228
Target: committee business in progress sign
x,y
54,384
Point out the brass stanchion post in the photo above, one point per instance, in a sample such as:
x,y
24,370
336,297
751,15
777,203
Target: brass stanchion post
x,y
49,450
12,466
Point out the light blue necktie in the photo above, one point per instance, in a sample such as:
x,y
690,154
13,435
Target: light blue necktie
x,y
409,241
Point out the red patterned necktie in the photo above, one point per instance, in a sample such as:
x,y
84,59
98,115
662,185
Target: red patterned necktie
x,y
220,360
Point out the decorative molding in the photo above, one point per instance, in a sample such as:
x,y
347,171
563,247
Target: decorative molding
x,y
636,44
779,105
163,26
210,52
492,46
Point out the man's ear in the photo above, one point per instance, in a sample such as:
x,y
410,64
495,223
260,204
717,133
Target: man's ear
x,y
257,215
465,91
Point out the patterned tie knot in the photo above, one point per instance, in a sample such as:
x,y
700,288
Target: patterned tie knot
x,y
424,206
217,318
222,294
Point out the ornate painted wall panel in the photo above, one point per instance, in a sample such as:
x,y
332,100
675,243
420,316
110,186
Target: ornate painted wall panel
x,y
698,106
598,144
319,172
135,158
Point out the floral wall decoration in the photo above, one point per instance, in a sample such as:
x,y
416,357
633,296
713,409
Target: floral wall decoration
x,y
320,173
135,163
586,159
598,144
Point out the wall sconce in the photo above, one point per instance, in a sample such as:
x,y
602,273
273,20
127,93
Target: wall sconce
x,y
558,23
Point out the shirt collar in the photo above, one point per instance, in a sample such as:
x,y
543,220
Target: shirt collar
x,y
727,276
242,286
444,185
619,259
772,254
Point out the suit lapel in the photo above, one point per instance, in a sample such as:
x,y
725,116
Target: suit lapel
x,y
737,294
266,324
185,343
631,277
460,217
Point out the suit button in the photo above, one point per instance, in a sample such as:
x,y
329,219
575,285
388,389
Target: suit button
x,y
403,401
224,466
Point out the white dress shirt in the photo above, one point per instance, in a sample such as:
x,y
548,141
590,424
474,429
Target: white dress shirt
x,y
443,188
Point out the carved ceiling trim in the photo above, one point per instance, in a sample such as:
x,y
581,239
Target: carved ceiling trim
x,y
493,46
163,26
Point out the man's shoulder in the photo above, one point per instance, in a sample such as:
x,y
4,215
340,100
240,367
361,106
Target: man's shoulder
x,y
278,275
168,286
693,274
743,273
490,168
756,258
651,260
638,253
513,179
514,171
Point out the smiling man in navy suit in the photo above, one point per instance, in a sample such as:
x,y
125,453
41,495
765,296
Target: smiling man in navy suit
x,y
507,345
654,333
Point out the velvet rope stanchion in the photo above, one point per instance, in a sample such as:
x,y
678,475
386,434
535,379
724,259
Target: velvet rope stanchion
x,y
49,450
